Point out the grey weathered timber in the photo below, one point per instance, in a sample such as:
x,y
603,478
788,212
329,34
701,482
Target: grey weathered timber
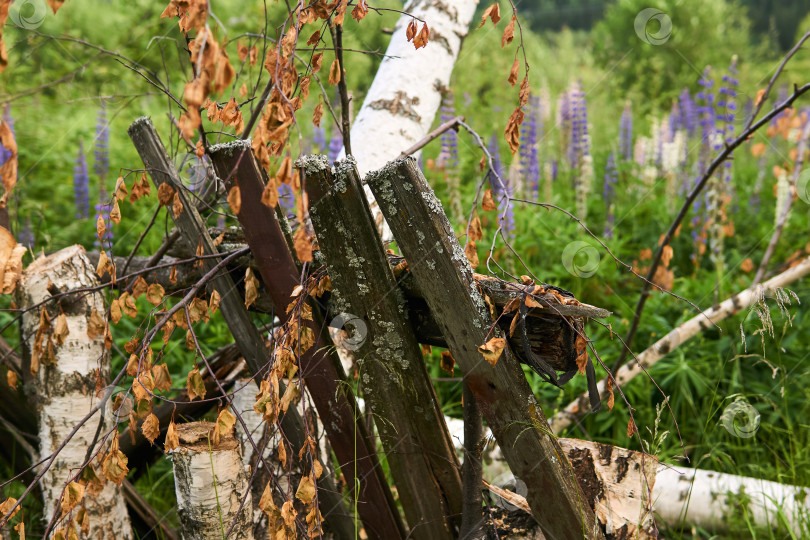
x,y
393,377
247,337
320,365
438,264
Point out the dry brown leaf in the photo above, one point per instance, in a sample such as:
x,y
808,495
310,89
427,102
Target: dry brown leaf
x,y
334,72
150,428
508,33
270,193
475,232
224,425
302,245
172,441
71,496
306,490
448,363
235,200
471,253
492,350
195,387
488,204
251,288
422,38
492,12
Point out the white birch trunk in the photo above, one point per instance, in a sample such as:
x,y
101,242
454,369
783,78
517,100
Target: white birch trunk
x,y
404,97
210,483
707,499
683,333
64,390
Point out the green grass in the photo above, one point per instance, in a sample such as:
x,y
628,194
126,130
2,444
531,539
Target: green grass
x,y
700,378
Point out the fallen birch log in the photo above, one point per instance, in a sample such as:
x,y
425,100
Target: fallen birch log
x,y
64,361
211,482
731,306
707,499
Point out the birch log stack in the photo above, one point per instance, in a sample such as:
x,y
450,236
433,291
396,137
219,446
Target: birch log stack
x,y
729,307
210,482
406,93
64,366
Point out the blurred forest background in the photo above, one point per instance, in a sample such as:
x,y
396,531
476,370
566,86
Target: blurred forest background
x,y
70,95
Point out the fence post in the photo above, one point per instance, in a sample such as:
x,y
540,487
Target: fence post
x,y
392,376
438,264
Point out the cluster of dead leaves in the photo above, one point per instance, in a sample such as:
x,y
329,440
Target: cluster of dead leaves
x,y
787,125
512,131
281,521
420,39
213,71
664,277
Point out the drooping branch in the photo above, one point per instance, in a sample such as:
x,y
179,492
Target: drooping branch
x,y
730,307
687,204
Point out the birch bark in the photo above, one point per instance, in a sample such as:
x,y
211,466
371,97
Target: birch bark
x,y
62,384
406,93
210,482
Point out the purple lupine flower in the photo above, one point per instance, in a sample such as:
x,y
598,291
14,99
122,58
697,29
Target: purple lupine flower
x,y
609,193
555,169
81,185
564,120
319,138
467,99
5,154
501,191
103,208
447,161
529,159
706,114
101,150
688,118
579,146
26,234
286,198
335,144
626,133
673,121
448,155
726,111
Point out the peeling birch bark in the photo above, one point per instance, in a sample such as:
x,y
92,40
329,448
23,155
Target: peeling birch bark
x,y
210,483
707,499
62,385
728,308
406,93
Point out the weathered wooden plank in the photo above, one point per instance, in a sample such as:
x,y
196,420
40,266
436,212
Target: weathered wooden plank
x,y
319,366
438,264
551,335
393,377
247,337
